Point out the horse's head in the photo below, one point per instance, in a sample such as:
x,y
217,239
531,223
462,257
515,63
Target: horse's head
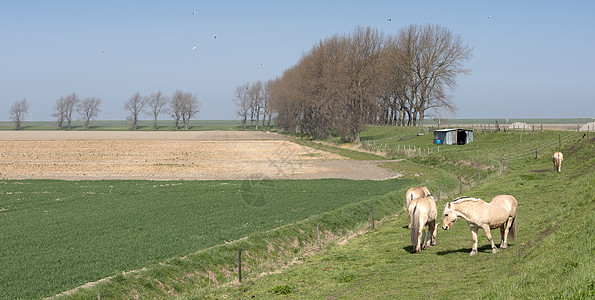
x,y
449,216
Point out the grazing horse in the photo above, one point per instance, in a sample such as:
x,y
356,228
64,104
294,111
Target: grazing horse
x,y
416,192
500,213
557,158
422,212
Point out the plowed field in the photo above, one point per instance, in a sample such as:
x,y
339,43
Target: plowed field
x,y
216,155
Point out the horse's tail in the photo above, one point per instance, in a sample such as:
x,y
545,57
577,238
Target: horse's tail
x,y
512,230
414,227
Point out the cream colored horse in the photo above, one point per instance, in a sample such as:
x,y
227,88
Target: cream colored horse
x,y
422,212
416,192
557,158
500,213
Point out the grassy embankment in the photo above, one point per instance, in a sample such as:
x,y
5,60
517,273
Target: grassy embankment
x,y
553,256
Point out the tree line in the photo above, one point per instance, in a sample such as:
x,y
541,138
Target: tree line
x,y
365,77
181,106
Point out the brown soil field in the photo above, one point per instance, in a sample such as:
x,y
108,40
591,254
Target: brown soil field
x,y
208,155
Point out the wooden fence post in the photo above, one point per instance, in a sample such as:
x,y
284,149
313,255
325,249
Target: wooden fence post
x,y
535,152
240,264
372,215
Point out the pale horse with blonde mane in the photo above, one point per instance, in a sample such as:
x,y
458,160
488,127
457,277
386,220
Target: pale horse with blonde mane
x,y
416,192
500,213
422,212
557,158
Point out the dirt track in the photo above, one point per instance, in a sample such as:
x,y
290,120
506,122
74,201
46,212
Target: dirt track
x,y
94,155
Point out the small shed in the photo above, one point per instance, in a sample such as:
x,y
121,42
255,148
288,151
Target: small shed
x,y
456,136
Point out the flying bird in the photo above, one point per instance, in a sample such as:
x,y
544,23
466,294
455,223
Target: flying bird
x,y
194,13
389,19
194,48
489,17
104,51
214,36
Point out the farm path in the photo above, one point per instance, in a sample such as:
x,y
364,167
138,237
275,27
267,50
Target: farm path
x,y
185,155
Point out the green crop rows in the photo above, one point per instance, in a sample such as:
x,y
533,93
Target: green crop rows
x,y
56,235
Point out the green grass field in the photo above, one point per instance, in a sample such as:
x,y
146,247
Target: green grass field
x,y
553,256
57,235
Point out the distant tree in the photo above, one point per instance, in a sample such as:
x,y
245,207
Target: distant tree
x,y
88,109
17,112
134,106
176,107
267,111
242,102
156,104
191,107
255,93
70,102
60,111
433,57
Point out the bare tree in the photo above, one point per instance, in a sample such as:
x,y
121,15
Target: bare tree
x,y
434,56
134,106
70,102
60,111
362,71
88,108
183,106
256,99
191,107
176,107
242,102
267,112
18,111
157,103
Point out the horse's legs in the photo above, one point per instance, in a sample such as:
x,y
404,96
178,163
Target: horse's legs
x,y
503,239
508,224
474,235
420,232
486,228
432,232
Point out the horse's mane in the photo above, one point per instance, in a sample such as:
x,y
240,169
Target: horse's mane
x,y
465,199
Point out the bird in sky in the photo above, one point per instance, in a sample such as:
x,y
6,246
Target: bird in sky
x,y
194,13
389,19
194,48
103,51
489,17
214,36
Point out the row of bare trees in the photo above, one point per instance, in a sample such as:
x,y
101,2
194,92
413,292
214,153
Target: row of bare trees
x,y
368,77
253,101
66,107
181,106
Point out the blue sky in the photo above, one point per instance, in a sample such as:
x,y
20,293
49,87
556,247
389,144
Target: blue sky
x,y
532,59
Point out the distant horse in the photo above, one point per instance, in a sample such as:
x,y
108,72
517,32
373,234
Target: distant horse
x,y
422,212
500,213
557,158
416,192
